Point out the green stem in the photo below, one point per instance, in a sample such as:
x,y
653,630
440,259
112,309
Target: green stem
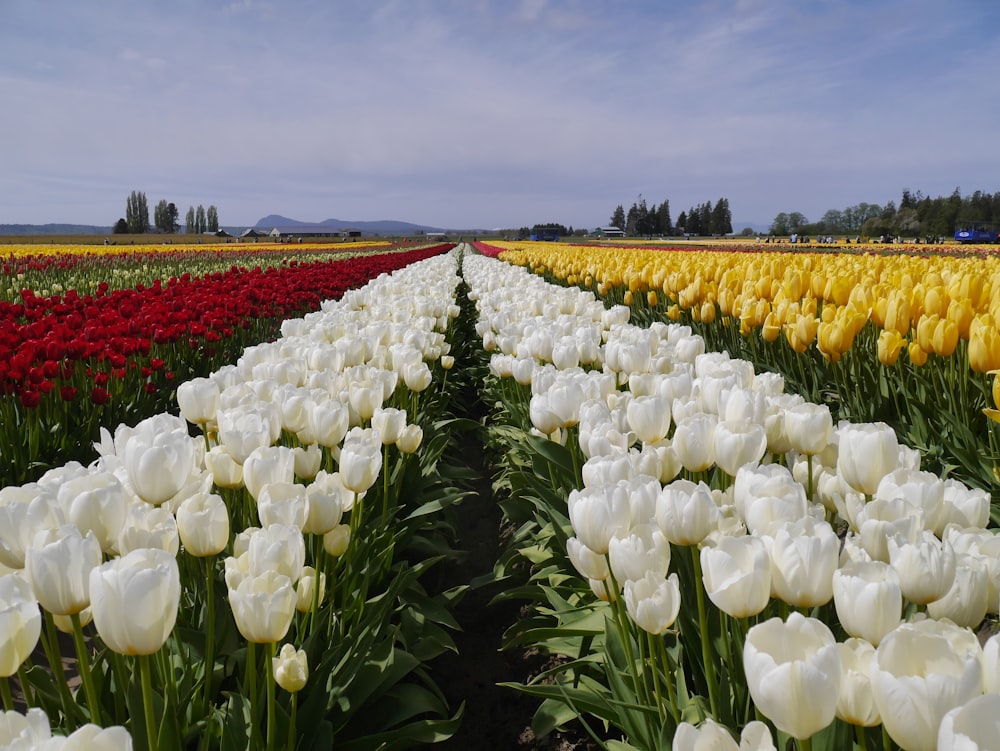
x,y
291,723
675,710
655,674
251,683
805,744
809,485
862,740
706,646
147,701
210,630
83,663
886,741
269,658
622,621
8,698
22,678
51,646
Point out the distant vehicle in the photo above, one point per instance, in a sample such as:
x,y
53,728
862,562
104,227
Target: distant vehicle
x,y
977,232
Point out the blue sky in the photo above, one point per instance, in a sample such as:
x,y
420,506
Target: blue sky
x,y
492,113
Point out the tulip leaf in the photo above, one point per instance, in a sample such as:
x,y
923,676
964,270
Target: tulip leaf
x,y
236,723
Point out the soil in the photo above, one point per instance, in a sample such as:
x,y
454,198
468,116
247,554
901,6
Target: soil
x,y
496,718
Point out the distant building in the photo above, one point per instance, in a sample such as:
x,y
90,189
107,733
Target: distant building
x,y
609,232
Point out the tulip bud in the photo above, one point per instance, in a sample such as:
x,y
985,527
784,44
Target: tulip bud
x,y
134,600
198,399
291,668
793,672
336,541
203,524
304,589
20,623
263,606
410,439
58,566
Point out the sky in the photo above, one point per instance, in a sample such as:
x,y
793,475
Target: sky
x,y
492,113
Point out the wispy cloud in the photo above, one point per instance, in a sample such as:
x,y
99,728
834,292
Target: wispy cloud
x,y
486,113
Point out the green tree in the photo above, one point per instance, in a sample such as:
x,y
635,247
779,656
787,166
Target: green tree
x,y
189,226
200,222
796,220
165,216
663,218
212,217
618,217
780,225
722,218
137,213
121,227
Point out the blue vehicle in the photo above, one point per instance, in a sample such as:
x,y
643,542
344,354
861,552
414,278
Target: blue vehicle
x,y
977,232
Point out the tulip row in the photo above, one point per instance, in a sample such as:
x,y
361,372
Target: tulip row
x,y
712,555
188,560
66,267
905,340
72,362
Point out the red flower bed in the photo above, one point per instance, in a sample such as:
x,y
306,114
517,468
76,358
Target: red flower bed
x,y
116,350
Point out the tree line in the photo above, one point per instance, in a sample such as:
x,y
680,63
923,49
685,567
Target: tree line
x,y
916,215
704,219
165,217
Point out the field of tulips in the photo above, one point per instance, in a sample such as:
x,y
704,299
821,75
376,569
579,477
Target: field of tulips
x,y
711,558
909,339
714,558
78,352
269,513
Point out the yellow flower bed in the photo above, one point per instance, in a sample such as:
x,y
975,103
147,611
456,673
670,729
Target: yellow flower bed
x,y
923,303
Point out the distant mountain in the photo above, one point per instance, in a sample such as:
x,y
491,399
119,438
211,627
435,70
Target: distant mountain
x,y
53,229
380,227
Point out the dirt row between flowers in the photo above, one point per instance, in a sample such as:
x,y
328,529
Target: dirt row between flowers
x,y
497,718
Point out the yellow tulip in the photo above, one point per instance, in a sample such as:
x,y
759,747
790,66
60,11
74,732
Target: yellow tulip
x,y
628,297
945,338
961,312
707,312
984,345
925,332
890,343
771,329
918,356
651,298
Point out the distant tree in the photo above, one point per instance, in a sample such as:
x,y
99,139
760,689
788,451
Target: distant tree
x,y
796,220
722,218
663,218
682,222
189,225
137,213
212,218
833,221
121,227
618,217
705,218
172,217
780,225
165,217
694,225
747,232
200,222
159,215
